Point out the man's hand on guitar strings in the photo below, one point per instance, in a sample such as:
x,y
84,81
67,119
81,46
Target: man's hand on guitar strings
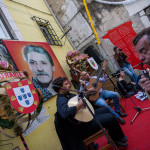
x,y
80,104
90,92
83,84
92,89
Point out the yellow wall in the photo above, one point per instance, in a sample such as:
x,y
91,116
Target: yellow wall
x,y
44,137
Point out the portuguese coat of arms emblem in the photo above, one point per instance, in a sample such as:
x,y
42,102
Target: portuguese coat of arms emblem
x,y
23,96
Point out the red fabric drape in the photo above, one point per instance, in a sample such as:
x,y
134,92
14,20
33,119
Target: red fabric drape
x,y
122,37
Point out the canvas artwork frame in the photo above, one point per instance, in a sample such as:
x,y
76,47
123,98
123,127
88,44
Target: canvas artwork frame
x,y
40,62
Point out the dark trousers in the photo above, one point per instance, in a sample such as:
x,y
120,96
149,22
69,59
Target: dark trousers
x,y
71,135
108,121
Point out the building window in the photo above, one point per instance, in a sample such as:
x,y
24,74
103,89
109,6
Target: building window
x,y
47,31
4,33
147,12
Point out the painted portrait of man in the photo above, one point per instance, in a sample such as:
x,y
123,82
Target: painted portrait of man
x,y
39,60
41,64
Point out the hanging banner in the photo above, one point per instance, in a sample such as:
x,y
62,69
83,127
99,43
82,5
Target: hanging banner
x,y
39,60
10,75
122,37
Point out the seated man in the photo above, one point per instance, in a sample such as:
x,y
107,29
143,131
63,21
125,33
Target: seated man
x,y
105,94
71,133
121,58
126,89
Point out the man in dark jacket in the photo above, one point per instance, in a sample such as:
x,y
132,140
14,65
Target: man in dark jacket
x,y
142,46
71,132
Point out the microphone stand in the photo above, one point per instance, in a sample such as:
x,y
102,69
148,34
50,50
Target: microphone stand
x,y
115,87
139,110
81,95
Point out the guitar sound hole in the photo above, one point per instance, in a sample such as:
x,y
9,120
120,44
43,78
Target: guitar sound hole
x,y
94,84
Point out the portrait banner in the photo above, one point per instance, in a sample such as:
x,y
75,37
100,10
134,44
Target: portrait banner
x,y
122,37
40,62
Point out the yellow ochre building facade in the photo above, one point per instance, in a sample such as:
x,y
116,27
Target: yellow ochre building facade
x,y
19,16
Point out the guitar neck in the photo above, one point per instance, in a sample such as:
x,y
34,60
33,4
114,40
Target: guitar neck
x,y
105,62
97,79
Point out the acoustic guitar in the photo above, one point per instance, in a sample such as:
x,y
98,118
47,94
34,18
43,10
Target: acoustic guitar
x,y
83,115
94,82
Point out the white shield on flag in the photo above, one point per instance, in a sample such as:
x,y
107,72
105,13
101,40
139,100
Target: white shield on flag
x,y
24,96
92,63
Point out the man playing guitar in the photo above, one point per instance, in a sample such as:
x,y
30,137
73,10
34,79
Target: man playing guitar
x,y
104,94
72,134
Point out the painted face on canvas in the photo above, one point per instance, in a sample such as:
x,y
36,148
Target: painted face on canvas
x,y
40,67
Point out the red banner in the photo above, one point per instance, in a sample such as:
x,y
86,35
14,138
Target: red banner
x,y
11,74
122,37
